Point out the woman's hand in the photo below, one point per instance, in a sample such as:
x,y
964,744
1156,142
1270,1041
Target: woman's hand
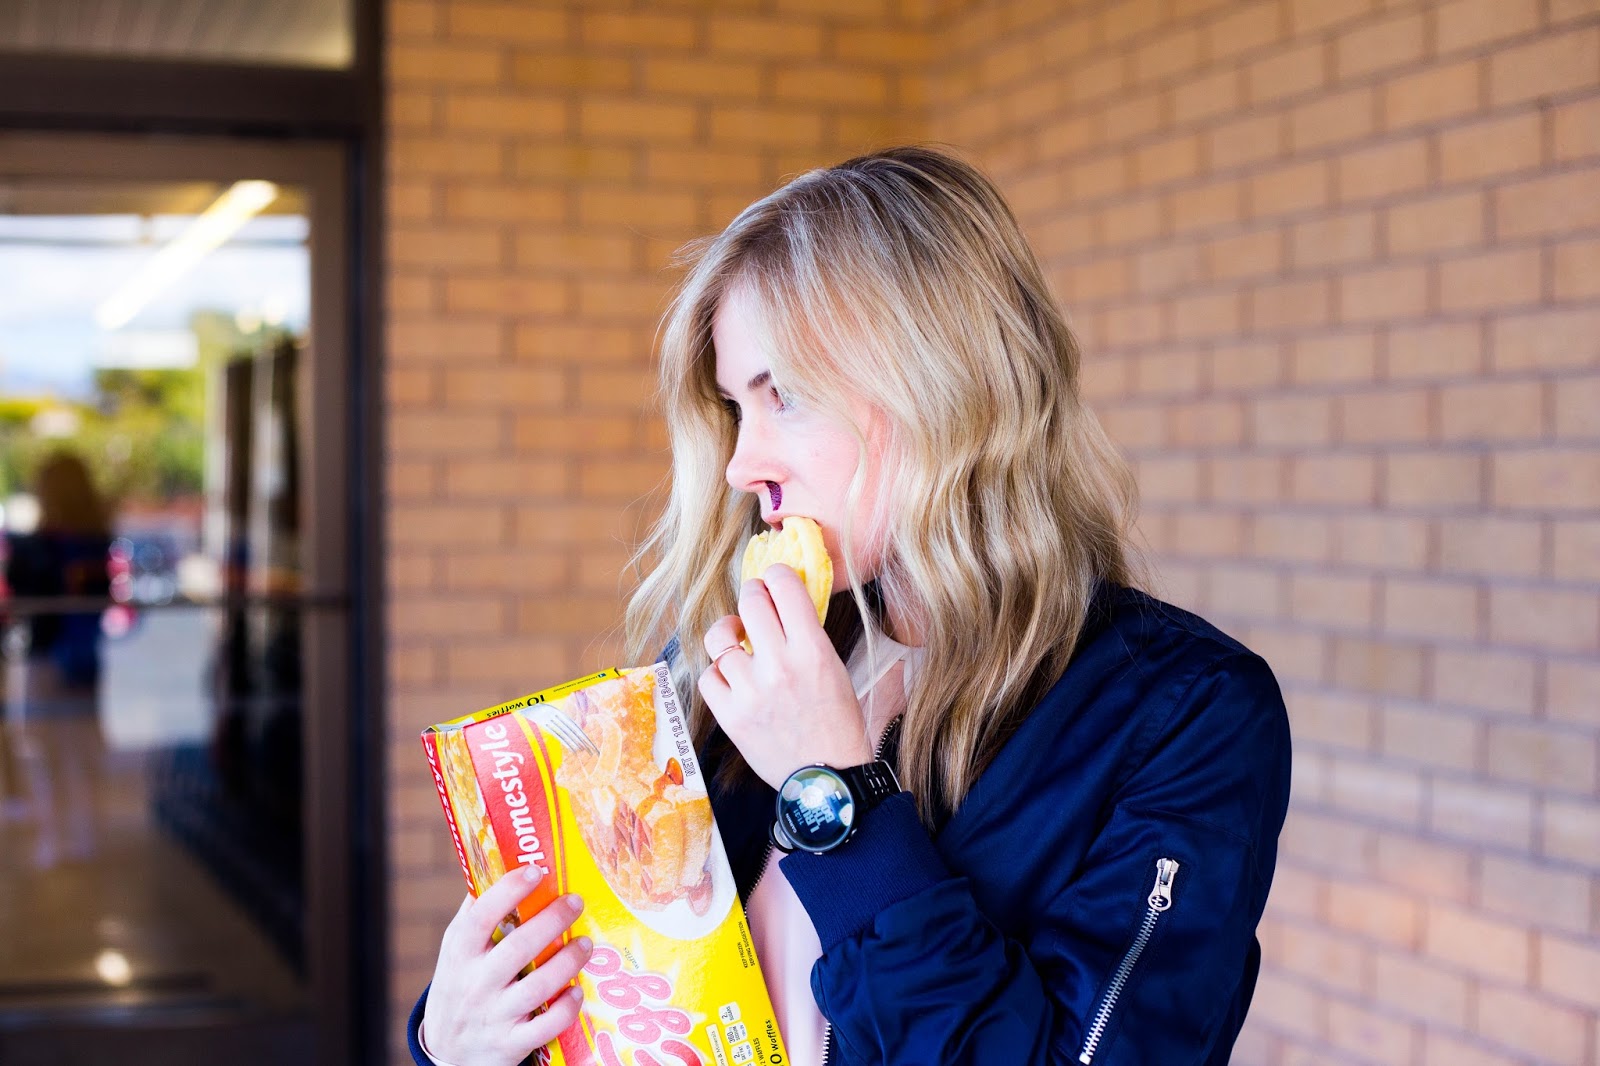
x,y
789,702
478,1011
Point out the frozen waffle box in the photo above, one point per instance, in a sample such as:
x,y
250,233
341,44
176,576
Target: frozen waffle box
x,y
596,783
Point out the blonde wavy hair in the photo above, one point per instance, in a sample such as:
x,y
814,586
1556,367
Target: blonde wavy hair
x,y
901,279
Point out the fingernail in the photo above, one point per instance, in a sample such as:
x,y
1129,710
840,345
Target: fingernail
x,y
532,873
576,903
577,992
585,945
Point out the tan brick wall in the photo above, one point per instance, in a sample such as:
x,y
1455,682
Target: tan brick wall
x,y
1337,266
545,161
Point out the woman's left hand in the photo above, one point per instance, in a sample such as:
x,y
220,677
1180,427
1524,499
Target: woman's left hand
x,y
789,702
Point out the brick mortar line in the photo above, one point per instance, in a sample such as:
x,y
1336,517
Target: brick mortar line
x,y
1426,829
1359,388
1379,449
1389,1012
1369,837
1454,446
1540,665
1427,772
1207,239
1287,621
1338,568
1246,288
1288,41
1423,644
1288,567
1282,109
1214,231
1112,354
1298,920
1201,21
1244,285
1473,910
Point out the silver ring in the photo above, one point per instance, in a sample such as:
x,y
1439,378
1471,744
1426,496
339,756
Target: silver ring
x,y
724,651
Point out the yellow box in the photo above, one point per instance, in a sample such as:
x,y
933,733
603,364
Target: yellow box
x,y
674,979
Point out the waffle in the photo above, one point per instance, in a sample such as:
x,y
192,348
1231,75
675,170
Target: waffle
x,y
650,836
798,545
472,813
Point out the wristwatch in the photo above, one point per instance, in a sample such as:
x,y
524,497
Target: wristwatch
x,y
819,807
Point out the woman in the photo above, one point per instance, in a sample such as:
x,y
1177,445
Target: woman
x,y
66,556
1093,781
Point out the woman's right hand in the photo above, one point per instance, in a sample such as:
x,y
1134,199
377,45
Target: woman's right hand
x,y
479,1012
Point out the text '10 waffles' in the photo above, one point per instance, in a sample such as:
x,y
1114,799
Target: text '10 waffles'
x,y
623,821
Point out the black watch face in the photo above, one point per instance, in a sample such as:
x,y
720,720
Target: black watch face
x,y
816,808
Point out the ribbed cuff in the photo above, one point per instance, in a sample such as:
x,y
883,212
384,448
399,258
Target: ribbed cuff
x,y
890,858
419,1054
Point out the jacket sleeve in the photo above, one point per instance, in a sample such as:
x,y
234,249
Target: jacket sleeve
x,y
913,971
414,1027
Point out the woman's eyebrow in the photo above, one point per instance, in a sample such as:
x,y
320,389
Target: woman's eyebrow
x,y
750,386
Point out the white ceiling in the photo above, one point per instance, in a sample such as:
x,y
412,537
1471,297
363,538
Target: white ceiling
x,y
292,32
66,196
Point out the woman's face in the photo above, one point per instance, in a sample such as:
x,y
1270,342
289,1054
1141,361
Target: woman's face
x,y
794,460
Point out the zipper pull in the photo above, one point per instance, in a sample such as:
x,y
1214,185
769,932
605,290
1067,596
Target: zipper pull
x,y
1161,894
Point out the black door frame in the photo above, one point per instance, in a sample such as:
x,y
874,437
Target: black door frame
x,y
341,109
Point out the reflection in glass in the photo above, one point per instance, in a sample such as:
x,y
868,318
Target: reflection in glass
x,y
302,33
151,696
116,893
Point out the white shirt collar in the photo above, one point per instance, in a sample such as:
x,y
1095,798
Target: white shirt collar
x,y
864,674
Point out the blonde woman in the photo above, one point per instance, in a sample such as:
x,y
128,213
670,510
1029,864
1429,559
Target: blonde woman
x,y
1066,795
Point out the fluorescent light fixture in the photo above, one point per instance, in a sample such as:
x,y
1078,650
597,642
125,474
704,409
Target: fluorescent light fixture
x,y
242,202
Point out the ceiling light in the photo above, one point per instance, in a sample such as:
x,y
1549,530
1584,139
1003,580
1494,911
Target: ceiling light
x,y
242,202
113,968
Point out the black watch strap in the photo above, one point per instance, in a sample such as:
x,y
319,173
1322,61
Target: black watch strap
x,y
871,784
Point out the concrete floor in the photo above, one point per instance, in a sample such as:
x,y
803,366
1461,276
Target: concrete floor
x,y
112,937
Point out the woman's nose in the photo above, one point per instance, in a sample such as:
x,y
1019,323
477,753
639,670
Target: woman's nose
x,y
753,463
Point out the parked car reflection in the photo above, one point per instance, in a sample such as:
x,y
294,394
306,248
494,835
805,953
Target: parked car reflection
x,y
144,569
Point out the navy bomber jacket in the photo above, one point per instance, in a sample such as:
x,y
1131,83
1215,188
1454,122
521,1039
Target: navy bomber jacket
x,y
1095,897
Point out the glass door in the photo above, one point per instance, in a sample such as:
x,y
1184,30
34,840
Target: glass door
x,y
175,741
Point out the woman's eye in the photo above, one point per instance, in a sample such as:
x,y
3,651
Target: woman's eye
x,y
732,409
781,399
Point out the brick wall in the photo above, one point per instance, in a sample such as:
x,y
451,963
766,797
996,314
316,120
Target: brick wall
x,y
545,161
1337,266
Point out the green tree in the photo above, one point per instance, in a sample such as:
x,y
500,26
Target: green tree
x,y
143,432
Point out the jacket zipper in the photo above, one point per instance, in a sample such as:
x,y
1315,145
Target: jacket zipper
x,y
1159,901
761,871
877,756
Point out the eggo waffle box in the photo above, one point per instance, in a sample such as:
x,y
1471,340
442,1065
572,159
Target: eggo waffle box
x,y
673,980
